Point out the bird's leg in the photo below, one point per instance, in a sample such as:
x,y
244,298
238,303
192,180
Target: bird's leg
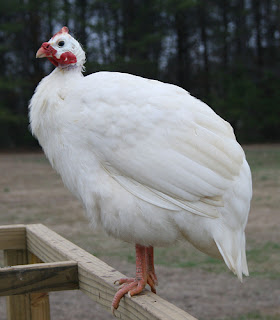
x,y
152,278
135,285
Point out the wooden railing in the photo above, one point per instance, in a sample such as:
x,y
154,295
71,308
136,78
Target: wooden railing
x,y
39,261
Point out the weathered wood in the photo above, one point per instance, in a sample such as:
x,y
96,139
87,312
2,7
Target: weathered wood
x,y
12,237
40,302
18,307
97,279
40,306
41,277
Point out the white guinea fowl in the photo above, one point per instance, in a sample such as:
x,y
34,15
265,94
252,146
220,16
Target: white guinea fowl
x,y
151,164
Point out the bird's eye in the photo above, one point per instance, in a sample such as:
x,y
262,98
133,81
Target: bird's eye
x,y
61,43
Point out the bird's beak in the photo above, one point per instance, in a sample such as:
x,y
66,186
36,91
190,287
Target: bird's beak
x,y
41,53
45,51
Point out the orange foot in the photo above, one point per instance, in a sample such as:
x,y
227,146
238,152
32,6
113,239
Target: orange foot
x,y
145,274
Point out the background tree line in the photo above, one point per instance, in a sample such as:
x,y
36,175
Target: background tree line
x,y
225,52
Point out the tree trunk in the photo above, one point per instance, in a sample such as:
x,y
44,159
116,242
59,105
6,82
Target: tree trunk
x,y
225,33
128,16
50,11
241,33
204,40
258,27
183,65
66,12
81,18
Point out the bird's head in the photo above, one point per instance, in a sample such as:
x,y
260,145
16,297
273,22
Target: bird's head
x,y
62,50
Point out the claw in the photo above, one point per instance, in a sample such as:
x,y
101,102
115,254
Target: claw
x,y
152,284
153,278
145,274
113,310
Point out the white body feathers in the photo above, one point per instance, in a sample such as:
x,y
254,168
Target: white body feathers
x,y
151,163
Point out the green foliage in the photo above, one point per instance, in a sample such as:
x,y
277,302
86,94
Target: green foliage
x,y
14,130
227,56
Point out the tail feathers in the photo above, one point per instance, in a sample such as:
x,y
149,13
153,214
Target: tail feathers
x,y
244,260
233,252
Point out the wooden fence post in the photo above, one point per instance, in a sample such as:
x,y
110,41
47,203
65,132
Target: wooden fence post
x,y
18,306
40,304
58,265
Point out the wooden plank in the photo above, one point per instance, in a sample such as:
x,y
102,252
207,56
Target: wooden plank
x,y
40,302
13,237
96,278
18,307
41,277
40,306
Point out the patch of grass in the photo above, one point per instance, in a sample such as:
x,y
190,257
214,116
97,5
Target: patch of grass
x,y
264,261
253,316
33,158
263,158
184,255
264,178
265,166
264,163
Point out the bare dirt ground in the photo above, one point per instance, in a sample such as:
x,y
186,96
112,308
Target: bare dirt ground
x,y
31,192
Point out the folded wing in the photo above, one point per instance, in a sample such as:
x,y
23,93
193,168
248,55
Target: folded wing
x,y
164,146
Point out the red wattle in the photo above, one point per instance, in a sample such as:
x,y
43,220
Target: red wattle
x,y
67,58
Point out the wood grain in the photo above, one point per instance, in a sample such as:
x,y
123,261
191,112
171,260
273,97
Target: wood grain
x,y
41,277
18,307
96,278
39,302
13,237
